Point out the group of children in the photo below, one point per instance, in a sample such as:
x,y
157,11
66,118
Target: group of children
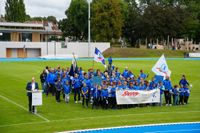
x,y
82,85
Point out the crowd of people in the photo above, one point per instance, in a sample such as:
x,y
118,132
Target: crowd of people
x,y
59,82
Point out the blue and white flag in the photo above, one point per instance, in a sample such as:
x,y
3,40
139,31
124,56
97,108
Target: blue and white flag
x,y
161,67
98,57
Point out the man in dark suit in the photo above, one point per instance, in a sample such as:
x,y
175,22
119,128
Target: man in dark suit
x,y
30,87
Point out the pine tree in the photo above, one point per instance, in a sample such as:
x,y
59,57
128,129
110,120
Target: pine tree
x,y
15,11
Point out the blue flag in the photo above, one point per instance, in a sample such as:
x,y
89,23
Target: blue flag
x,y
98,57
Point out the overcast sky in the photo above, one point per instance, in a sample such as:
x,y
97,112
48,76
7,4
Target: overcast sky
x,y
55,8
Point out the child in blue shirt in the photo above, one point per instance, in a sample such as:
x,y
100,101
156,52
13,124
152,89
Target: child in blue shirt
x,y
183,81
113,96
66,89
175,92
162,88
104,95
181,95
85,95
186,94
96,94
136,86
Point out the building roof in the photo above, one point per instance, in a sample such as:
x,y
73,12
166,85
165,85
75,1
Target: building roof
x,y
49,28
16,24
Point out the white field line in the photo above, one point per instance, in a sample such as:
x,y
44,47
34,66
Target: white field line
x,y
22,107
134,126
99,117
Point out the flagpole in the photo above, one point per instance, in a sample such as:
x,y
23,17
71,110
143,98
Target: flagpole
x,y
89,34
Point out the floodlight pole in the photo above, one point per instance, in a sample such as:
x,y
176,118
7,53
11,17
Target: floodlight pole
x,y
89,28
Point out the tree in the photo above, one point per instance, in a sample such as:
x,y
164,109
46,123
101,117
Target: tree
x,y
52,19
131,26
15,11
106,20
76,23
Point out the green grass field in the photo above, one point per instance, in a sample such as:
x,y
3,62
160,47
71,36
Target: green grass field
x,y
54,117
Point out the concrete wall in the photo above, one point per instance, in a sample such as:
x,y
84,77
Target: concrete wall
x,y
54,48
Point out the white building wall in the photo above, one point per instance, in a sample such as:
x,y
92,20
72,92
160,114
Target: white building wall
x,y
52,48
33,53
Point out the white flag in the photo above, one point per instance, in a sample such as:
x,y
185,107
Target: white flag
x,y
161,67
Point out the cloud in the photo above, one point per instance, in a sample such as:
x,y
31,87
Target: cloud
x,y
34,8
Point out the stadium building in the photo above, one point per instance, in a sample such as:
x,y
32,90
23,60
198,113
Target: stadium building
x,y
12,32
22,40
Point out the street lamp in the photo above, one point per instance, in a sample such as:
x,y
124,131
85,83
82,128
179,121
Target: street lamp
x,y
89,1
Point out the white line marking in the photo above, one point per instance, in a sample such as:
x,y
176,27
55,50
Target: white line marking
x,y
134,126
11,101
96,117
25,123
171,131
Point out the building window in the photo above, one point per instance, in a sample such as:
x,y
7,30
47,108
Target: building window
x,y
4,36
26,37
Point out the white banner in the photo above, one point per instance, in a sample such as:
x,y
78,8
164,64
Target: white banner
x,y
194,55
137,97
36,98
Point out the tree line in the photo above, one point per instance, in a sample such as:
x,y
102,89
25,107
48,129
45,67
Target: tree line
x,y
133,20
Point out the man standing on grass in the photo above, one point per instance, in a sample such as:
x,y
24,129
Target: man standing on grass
x,y
31,87
168,91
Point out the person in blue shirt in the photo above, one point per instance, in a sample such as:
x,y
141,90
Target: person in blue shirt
x,y
125,85
131,86
125,74
113,96
66,90
120,86
110,61
88,83
109,87
152,84
143,75
168,91
136,86
65,78
117,73
43,77
181,95
85,95
104,96
96,91
51,78
142,86
77,87
183,81
162,89
58,86
175,92
186,94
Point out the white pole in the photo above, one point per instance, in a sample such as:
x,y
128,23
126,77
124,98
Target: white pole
x,y
88,28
